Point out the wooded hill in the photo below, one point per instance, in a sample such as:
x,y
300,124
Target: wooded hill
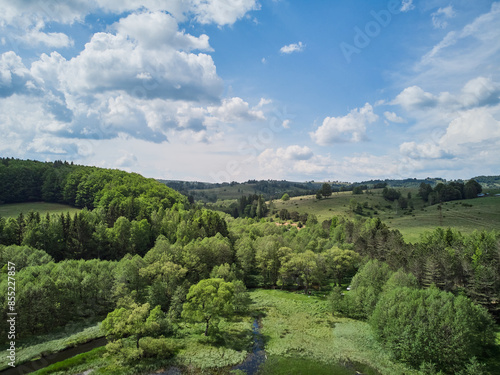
x,y
164,271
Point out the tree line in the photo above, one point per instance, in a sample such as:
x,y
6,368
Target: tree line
x,y
454,190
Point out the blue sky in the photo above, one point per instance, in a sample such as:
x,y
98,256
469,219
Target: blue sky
x,y
212,90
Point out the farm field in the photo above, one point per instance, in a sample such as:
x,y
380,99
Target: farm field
x,y
463,215
14,209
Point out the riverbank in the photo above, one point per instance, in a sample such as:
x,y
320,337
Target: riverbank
x,y
45,346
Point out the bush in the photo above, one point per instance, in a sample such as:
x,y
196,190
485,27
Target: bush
x,y
429,326
157,348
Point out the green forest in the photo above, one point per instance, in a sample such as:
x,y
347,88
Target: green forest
x,y
171,284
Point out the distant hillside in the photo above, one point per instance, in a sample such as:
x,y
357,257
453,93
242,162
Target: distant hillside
x,y
270,189
489,182
273,189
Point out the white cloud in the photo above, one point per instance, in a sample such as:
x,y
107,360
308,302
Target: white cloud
x,y
235,110
415,98
392,117
220,12
127,160
145,45
440,17
480,91
286,124
263,102
295,152
14,76
424,150
464,52
349,128
154,30
143,79
473,129
34,36
349,168
294,47
470,140
407,5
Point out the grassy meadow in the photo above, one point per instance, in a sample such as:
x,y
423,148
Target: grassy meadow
x,y
464,215
301,333
14,209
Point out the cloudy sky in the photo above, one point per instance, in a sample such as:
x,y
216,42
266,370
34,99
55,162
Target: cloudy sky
x,y
218,90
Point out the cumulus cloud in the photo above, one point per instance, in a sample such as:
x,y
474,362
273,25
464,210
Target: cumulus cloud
x,y
349,128
407,5
294,47
143,78
392,117
295,152
127,160
154,30
288,160
415,98
347,168
440,17
480,91
235,110
144,62
35,36
219,12
470,139
477,92
424,150
15,78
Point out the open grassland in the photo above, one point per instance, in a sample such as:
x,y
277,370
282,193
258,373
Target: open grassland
x,y
300,332
14,209
464,215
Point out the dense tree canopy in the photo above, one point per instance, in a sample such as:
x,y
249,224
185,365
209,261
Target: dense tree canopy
x,y
208,301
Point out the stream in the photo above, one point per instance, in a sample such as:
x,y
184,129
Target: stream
x,y
250,365
37,364
258,356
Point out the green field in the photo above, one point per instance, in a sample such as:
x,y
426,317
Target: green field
x,y
13,210
482,214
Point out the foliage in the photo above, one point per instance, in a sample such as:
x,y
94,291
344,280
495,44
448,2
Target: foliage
x,y
340,263
391,194
23,256
448,192
428,325
326,190
208,301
